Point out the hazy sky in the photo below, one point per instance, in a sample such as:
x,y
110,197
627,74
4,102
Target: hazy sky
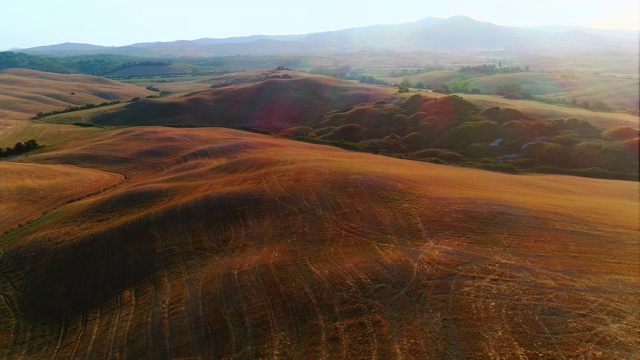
x,y
28,23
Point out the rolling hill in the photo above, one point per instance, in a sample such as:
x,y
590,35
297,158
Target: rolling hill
x,y
265,100
24,93
451,129
156,228
226,244
617,91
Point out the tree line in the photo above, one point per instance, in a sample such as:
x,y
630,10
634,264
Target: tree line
x,y
492,69
41,114
20,148
80,64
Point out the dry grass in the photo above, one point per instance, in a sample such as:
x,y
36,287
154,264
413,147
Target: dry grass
x,y
29,190
24,93
539,110
615,91
225,244
49,135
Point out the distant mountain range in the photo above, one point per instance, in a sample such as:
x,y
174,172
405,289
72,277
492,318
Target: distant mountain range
x,y
454,35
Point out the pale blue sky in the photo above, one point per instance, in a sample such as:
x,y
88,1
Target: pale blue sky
x,y
28,23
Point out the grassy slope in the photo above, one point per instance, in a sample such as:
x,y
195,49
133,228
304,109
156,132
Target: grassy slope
x,y
185,85
49,135
434,78
225,244
29,190
616,91
24,93
539,110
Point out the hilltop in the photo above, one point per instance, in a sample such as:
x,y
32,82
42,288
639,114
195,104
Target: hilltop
x,y
227,244
454,34
269,100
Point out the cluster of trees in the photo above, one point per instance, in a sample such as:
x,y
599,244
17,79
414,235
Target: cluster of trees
x,y
406,82
462,85
163,93
457,86
229,64
408,72
371,80
40,115
106,64
20,148
491,69
166,92
513,91
344,72
9,59
585,104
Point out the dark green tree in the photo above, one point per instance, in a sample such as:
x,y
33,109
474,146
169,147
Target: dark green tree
x,y
19,148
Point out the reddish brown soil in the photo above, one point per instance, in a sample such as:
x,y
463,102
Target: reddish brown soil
x,y
223,244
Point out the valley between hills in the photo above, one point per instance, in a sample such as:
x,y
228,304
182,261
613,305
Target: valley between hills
x,y
277,213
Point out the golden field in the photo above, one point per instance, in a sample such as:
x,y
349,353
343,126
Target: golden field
x,y
226,244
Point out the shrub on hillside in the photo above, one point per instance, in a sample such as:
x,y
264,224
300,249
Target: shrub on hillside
x,y
542,128
442,154
622,133
298,131
388,145
547,153
567,140
633,147
416,140
502,115
347,132
476,131
481,150
513,91
401,124
412,103
324,131
613,156
514,128
526,163
416,118
582,128
20,148
82,124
